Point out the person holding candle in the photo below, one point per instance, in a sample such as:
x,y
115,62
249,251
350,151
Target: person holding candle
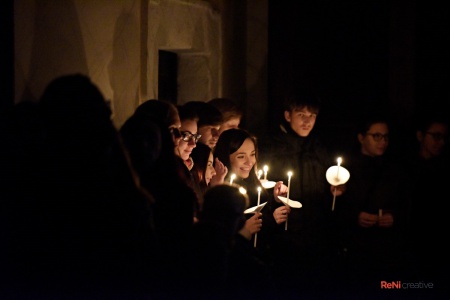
x,y
225,263
428,164
304,252
237,149
373,212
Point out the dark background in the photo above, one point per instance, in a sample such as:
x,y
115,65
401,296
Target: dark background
x,y
361,56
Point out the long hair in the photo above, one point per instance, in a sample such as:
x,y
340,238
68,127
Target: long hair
x,y
200,155
229,142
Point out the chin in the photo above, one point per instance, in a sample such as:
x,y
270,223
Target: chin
x,y
244,176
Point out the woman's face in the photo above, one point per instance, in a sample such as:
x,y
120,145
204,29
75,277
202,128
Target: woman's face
x,y
210,171
243,160
188,128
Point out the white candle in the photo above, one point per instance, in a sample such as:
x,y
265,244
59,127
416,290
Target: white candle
x,y
339,160
289,187
233,176
259,194
289,184
259,199
259,174
266,168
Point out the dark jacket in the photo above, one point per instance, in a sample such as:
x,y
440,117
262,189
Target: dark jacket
x,y
307,245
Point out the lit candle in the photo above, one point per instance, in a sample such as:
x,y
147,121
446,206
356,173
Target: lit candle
x,y
242,190
289,184
259,199
233,176
259,174
289,187
259,194
266,168
339,160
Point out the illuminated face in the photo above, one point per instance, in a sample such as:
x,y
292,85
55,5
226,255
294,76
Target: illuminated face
x,y
231,123
432,142
375,141
210,171
243,160
188,127
210,135
301,120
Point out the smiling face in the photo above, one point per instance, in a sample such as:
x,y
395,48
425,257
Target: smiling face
x,y
243,160
185,148
301,120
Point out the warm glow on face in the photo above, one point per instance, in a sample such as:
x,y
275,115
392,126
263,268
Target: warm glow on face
x,y
243,160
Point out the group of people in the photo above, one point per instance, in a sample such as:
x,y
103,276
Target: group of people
x,y
157,207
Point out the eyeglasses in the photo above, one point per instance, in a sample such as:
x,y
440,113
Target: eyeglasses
x,y
437,136
186,136
378,136
175,132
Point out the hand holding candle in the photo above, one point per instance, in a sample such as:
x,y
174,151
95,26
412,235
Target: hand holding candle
x,y
337,175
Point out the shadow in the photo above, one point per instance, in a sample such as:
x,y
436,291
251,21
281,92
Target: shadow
x,y
58,46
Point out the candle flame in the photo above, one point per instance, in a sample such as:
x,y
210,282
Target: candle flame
x,y
233,176
259,189
259,174
242,190
339,160
266,168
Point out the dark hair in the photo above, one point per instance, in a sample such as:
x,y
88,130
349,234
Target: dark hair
x,y
229,108
187,112
224,204
300,98
423,122
163,112
367,120
229,142
207,113
200,155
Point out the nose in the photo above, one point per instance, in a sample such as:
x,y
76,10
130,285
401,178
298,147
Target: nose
x,y
215,133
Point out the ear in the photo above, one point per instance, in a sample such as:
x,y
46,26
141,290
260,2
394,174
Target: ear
x,y
287,116
360,138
